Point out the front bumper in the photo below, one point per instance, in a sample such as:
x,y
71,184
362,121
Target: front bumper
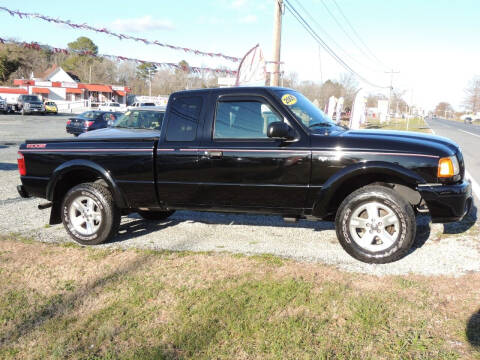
x,y
447,203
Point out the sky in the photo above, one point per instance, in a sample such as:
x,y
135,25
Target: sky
x,y
432,44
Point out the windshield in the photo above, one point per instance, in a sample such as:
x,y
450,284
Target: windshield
x,y
140,119
310,115
31,98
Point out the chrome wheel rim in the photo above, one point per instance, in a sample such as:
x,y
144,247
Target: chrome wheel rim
x,y
85,215
374,226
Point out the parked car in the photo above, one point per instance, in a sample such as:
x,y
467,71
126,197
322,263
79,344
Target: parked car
x,y
470,118
111,106
141,118
28,104
51,107
90,120
140,104
3,105
253,150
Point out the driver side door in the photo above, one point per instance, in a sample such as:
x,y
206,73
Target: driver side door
x,y
240,167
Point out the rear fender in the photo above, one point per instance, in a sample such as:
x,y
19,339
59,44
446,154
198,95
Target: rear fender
x,y
87,165
324,197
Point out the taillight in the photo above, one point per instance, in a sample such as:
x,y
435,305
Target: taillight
x,y
88,123
68,122
21,164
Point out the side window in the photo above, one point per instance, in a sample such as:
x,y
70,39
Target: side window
x,y
183,118
243,120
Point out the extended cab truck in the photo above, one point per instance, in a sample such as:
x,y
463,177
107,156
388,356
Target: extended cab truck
x,y
255,150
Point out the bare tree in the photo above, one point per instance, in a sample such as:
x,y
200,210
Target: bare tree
x,y
472,95
443,109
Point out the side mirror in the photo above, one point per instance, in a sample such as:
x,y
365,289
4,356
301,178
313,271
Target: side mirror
x,y
280,130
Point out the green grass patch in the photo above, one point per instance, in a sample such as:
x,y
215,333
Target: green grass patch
x,y
146,305
415,124
268,259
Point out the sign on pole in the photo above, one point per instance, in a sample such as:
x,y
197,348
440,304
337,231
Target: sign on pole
x,y
358,112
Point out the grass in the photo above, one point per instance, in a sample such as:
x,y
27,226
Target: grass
x,y
62,302
415,124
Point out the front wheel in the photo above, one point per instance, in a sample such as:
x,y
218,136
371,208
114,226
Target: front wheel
x,y
375,225
89,214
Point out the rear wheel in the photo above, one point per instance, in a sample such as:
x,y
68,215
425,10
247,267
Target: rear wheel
x,y
155,215
375,225
89,214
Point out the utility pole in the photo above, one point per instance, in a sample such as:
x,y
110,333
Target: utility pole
x,y
391,72
277,39
149,82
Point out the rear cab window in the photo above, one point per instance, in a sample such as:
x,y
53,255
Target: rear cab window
x,y
183,118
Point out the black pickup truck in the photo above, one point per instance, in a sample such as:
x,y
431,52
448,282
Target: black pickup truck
x,y
253,150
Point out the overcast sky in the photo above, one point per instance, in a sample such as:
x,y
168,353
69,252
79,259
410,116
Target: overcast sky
x,y
434,44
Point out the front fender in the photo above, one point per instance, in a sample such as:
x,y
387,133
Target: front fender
x,y
323,198
72,165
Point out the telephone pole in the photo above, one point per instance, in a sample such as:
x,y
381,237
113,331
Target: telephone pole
x,y
391,72
277,39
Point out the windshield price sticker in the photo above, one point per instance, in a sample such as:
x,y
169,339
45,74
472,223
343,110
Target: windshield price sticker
x,y
289,99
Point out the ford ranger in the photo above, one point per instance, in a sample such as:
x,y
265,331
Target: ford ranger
x,y
254,150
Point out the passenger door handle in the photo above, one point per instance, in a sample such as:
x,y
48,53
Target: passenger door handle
x,y
213,154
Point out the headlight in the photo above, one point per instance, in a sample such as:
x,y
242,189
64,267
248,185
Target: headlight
x,y
448,167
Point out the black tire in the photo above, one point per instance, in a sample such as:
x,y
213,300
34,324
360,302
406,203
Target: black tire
x,y
155,215
400,235
103,199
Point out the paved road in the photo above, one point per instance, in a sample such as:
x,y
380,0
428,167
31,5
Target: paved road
x,y
468,137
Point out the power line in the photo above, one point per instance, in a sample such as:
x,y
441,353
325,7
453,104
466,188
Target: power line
x,y
333,40
343,30
357,34
324,45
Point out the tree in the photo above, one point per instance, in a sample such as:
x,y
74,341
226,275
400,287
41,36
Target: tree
x,y
146,71
82,64
472,95
7,66
397,104
443,109
83,45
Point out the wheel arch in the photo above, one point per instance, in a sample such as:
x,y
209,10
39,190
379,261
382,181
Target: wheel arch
x,y
74,172
353,177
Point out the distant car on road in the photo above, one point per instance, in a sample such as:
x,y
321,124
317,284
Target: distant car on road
x,y
51,107
140,104
90,120
111,106
470,118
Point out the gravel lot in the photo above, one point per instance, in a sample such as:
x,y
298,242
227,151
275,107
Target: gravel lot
x,y
453,249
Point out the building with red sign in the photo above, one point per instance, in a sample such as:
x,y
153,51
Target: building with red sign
x,y
55,84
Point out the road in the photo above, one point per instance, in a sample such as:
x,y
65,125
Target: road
x,y
468,137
